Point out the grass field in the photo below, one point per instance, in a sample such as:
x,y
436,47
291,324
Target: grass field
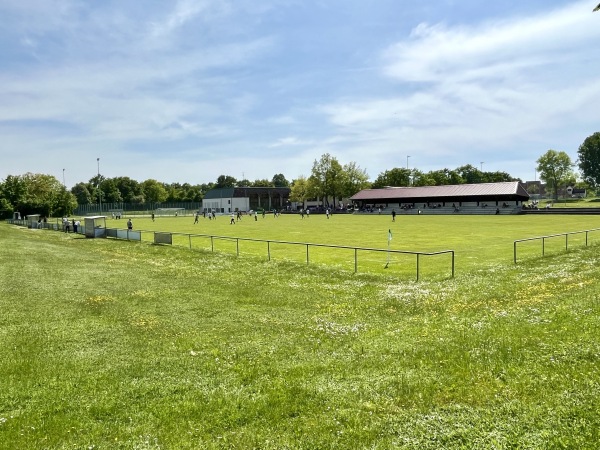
x,y
476,240
113,344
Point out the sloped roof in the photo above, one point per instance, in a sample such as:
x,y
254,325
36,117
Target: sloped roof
x,y
507,189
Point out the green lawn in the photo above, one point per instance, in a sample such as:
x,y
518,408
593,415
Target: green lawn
x,y
476,240
113,344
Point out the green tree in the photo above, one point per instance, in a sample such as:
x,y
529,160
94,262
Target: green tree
x,y
225,181
279,180
554,168
470,174
82,193
110,191
35,193
154,191
130,190
300,190
355,180
327,177
394,177
262,183
589,159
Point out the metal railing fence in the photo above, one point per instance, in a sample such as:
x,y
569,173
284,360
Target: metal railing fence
x,y
187,240
551,236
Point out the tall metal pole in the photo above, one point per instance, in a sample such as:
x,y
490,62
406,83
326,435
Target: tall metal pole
x,y
407,156
481,165
64,178
99,191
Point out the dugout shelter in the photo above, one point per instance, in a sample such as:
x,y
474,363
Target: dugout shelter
x,y
95,226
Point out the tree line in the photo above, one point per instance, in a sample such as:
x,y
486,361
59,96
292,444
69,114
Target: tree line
x,y
329,181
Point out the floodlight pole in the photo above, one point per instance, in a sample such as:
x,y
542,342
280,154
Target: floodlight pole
x,y
64,178
481,166
99,191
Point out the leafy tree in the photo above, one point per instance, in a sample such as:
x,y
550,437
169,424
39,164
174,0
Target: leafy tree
x,y
327,177
14,189
244,183
110,191
37,193
154,191
589,159
279,180
82,193
393,177
554,168
225,181
498,177
425,179
262,183
470,174
355,180
130,190
300,190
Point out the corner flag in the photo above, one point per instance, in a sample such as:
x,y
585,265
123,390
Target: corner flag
x,y
389,235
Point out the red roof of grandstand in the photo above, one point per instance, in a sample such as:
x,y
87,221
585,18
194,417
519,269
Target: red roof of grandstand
x,y
509,189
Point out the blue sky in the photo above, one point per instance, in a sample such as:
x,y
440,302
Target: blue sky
x,y
185,91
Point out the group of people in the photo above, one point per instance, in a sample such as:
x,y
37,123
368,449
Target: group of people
x,y
68,223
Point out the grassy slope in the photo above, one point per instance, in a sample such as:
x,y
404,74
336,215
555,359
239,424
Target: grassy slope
x,y
109,344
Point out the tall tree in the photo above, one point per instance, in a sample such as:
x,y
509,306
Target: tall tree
x,y
327,177
130,190
154,191
225,181
300,190
279,180
394,177
82,193
589,159
470,174
37,193
554,168
355,180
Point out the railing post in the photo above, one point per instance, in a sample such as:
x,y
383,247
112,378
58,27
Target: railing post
x,y
418,266
237,247
212,244
543,246
566,241
515,252
307,254
586,238
190,240
268,250
452,263
355,260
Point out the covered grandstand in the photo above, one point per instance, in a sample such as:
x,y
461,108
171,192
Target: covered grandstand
x,y
490,198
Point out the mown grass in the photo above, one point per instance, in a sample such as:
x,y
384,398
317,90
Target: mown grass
x,y
113,344
476,240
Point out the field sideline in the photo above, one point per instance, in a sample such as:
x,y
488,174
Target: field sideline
x,y
120,345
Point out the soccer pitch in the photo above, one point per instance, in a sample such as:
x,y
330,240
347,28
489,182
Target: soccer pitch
x,y
476,240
